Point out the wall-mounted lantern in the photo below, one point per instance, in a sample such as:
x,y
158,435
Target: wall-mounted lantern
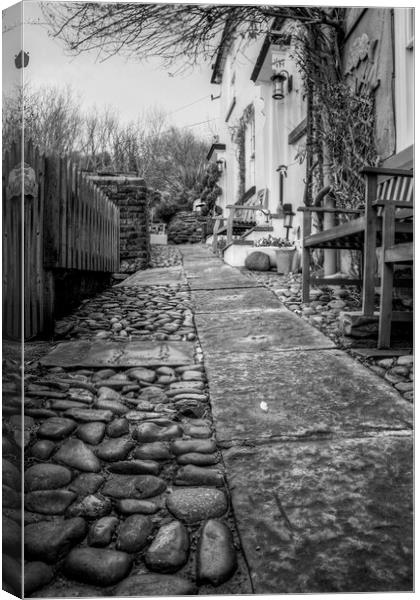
x,y
282,84
288,215
221,164
282,81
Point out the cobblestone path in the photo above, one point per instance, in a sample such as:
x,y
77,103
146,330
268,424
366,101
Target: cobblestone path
x,y
125,489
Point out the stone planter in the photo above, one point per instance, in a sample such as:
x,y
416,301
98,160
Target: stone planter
x,y
284,259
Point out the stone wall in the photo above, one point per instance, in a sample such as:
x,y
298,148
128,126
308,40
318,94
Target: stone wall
x,y
132,196
186,228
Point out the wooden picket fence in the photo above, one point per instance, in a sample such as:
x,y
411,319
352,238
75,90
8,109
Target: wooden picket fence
x,y
65,222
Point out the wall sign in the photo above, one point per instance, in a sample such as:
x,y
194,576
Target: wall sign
x,y
21,174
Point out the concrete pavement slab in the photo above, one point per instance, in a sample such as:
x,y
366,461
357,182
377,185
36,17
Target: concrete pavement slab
x,y
196,267
234,300
331,516
169,276
307,393
119,354
231,332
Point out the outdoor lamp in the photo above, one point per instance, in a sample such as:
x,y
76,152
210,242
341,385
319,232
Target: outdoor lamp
x,y
199,206
278,80
220,164
288,215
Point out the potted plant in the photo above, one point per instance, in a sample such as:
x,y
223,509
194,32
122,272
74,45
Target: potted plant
x,y
279,250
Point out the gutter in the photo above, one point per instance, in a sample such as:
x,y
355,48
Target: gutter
x,y
217,69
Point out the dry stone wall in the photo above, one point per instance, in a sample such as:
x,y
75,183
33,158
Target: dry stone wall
x,y
186,228
132,197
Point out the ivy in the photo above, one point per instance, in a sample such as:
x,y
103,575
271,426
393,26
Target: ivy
x,y
238,133
342,132
209,190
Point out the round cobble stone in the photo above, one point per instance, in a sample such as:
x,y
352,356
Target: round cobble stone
x,y
128,506
46,477
195,504
51,540
97,566
43,449
49,502
216,554
56,428
91,433
156,585
134,533
36,575
90,507
138,487
101,532
169,550
75,453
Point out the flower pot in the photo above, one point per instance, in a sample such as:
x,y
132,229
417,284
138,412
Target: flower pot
x,y
284,258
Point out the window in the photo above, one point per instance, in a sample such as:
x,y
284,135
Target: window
x,y
404,77
409,28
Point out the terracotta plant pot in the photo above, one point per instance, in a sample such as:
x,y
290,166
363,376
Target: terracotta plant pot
x,y
284,258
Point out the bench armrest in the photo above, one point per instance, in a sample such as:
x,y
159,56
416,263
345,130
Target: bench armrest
x,y
385,171
321,209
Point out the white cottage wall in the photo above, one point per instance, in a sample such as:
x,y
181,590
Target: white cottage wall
x,y
273,122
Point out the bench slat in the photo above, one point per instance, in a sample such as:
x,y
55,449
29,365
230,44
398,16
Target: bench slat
x,y
399,253
335,233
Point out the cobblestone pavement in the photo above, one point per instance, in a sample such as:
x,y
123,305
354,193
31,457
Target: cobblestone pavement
x,y
208,464
125,488
323,311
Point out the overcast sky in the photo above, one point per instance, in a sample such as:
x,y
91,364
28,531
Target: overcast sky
x,y
127,85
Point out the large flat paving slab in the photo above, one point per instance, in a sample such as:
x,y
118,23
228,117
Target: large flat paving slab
x,y
217,283
169,276
119,354
196,267
320,393
216,276
231,332
234,300
319,517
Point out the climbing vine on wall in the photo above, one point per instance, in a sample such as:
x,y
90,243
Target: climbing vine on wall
x,y
209,190
341,119
238,135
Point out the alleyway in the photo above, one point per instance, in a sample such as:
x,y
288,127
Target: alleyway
x,y
191,435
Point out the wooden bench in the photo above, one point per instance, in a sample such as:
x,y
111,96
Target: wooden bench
x,y
391,254
238,224
388,196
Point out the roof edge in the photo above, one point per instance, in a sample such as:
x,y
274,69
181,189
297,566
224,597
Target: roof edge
x,y
214,147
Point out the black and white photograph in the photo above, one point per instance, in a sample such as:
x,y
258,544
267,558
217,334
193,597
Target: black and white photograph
x,y
207,292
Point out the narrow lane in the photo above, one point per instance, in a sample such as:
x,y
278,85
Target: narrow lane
x,y
191,435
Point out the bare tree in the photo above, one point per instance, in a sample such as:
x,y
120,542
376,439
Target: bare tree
x,y
168,31
51,117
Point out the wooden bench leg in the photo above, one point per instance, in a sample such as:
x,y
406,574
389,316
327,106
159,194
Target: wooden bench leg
x,y
387,277
369,267
306,257
385,314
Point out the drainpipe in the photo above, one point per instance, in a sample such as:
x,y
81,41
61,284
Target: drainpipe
x,y
330,256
